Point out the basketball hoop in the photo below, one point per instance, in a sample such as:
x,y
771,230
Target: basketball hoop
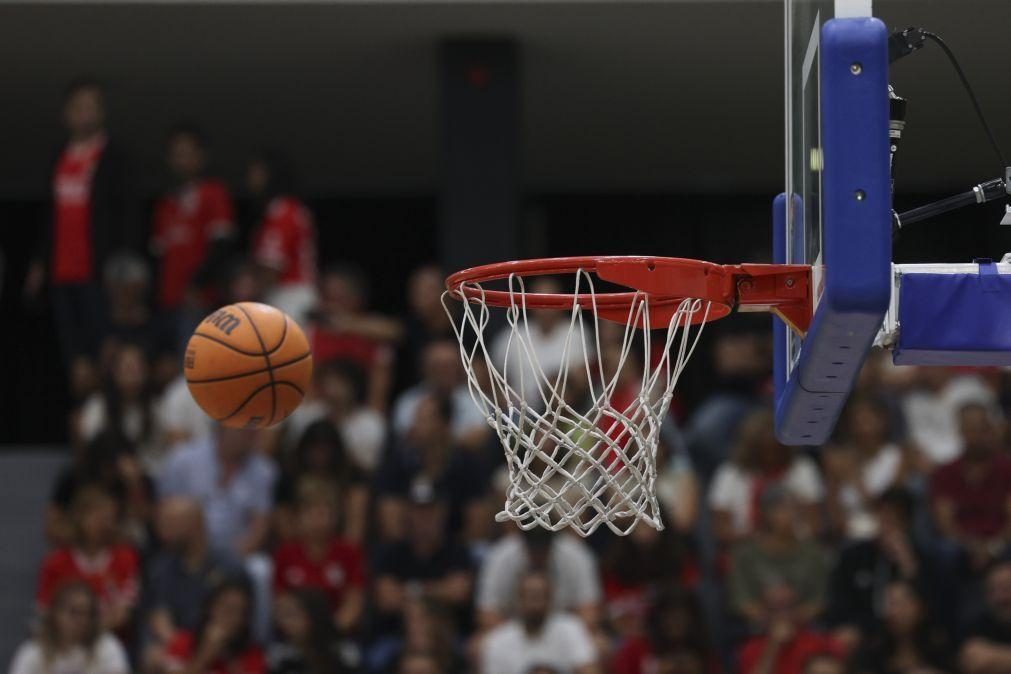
x,y
580,433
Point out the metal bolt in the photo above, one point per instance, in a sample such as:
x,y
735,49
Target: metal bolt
x,y
860,195
745,285
856,68
789,283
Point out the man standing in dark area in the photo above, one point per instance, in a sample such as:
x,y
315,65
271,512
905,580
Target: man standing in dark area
x,y
90,214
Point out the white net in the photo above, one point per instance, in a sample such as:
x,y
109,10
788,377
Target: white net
x,y
576,402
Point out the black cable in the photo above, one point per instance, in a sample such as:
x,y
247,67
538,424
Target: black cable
x,y
968,88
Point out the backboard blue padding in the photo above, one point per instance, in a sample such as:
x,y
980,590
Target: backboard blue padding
x,y
856,215
954,319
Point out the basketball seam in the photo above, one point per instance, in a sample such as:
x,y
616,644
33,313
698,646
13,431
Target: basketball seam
x,y
214,380
253,394
266,358
222,342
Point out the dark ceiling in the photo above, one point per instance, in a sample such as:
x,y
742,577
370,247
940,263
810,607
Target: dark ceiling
x,y
617,97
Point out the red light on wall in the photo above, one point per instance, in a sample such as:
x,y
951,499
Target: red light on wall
x,y
478,76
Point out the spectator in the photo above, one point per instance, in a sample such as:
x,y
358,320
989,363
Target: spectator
x,y
788,642
429,628
677,484
71,638
319,558
182,575
865,568
775,555
179,417
443,376
321,453
861,468
431,458
308,642
222,643
426,321
96,557
987,647
125,407
418,662
284,237
340,399
569,563
759,460
343,328
538,636
232,484
971,495
89,217
931,412
427,564
825,663
192,233
675,629
906,641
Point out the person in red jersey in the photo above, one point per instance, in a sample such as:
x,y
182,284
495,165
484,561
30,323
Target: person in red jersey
x,y
319,558
283,237
222,644
194,225
95,557
89,217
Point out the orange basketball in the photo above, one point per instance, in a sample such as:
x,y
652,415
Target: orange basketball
x,y
248,365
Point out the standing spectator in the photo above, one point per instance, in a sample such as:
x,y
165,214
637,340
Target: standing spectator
x,y
443,376
906,641
971,496
320,559
568,562
233,485
182,575
307,641
426,321
538,636
861,468
88,218
96,557
71,638
987,648
760,460
931,411
774,556
194,224
223,642
284,238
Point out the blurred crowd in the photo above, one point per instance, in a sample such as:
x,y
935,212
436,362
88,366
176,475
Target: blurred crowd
x,y
360,535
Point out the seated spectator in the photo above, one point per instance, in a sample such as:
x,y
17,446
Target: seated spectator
x,y
775,555
863,466
906,641
95,557
178,416
759,460
109,461
538,636
675,630
183,573
284,238
125,406
426,321
318,558
307,642
430,456
222,642
320,452
788,641
677,484
971,496
865,568
418,662
71,638
932,410
987,646
339,398
825,663
233,485
429,628
443,376
568,562
678,660
427,564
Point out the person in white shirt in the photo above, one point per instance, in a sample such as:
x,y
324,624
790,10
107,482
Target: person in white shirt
x,y
931,412
538,637
71,640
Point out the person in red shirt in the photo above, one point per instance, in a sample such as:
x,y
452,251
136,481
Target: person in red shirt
x,y
222,644
971,496
89,217
318,558
95,557
283,238
193,228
